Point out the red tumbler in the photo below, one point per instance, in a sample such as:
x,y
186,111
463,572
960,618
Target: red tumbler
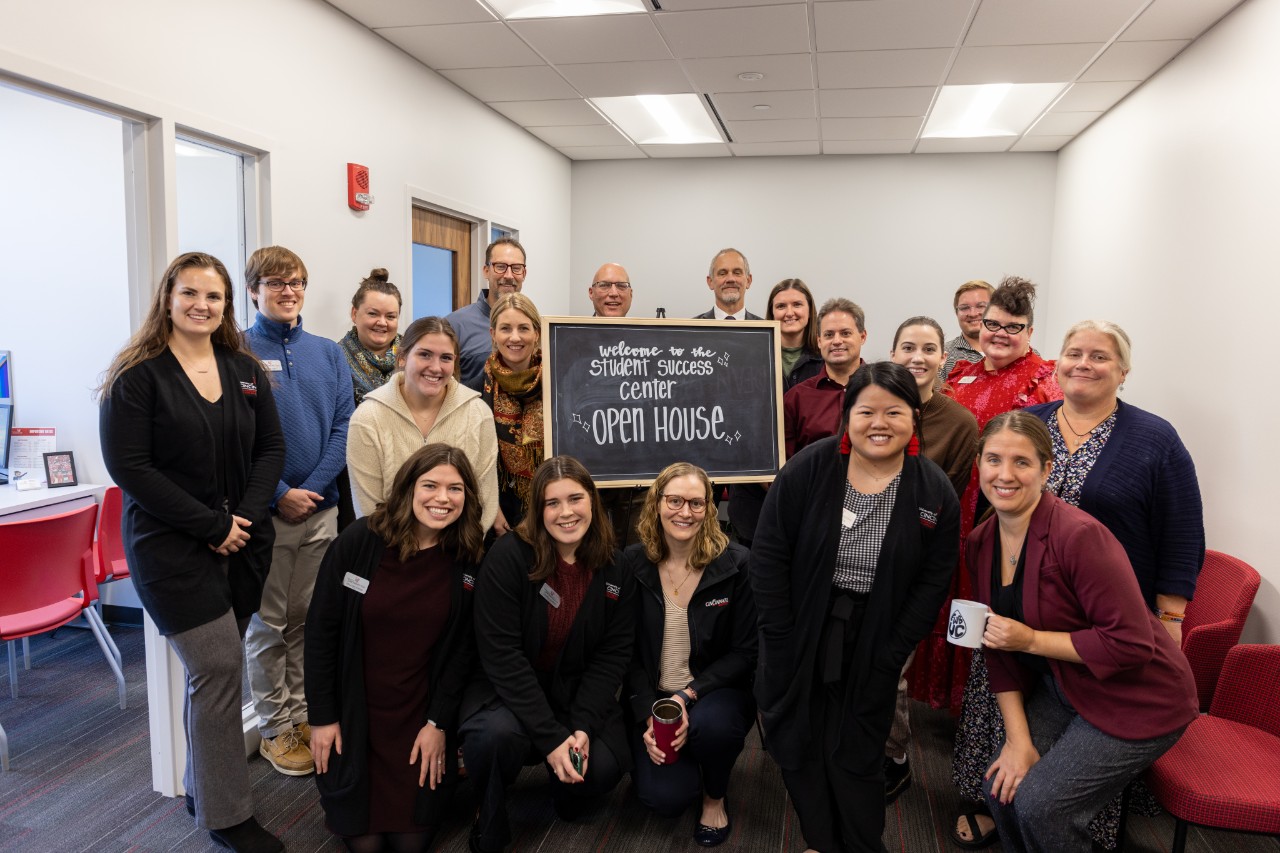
x,y
666,719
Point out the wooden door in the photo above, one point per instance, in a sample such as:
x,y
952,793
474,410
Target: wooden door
x,y
432,228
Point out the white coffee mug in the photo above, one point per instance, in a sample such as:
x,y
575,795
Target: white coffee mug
x,y
966,623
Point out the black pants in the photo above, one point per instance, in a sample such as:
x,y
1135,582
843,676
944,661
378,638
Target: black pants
x,y
718,727
839,810
495,747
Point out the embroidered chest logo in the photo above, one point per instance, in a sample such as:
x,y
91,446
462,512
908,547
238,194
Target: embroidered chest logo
x,y
612,591
718,602
928,519
468,582
955,627
249,389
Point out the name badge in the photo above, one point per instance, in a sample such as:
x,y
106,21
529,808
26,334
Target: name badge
x,y
552,597
359,584
272,364
848,517
964,380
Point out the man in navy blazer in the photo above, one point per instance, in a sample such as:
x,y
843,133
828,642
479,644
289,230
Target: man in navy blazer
x,y
729,278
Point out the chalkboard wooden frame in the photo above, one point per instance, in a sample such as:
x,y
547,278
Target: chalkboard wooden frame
x,y
571,344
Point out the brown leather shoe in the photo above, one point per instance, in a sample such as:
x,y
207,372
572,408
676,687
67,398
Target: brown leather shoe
x,y
288,754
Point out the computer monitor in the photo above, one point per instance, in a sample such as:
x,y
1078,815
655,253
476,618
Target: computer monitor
x,y
6,421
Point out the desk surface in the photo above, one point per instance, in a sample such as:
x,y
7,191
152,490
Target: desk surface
x,y
13,501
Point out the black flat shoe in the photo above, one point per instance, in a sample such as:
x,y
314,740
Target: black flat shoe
x,y
247,837
712,836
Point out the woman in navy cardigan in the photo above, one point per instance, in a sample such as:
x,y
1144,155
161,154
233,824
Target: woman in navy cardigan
x,y
190,434
1091,688
555,623
695,642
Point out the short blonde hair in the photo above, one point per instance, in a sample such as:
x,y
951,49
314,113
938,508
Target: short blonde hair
x,y
1124,349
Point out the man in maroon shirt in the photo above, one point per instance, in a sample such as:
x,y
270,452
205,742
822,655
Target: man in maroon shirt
x,y
811,410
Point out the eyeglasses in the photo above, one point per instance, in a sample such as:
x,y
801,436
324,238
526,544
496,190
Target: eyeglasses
x,y
1010,328
966,308
697,506
620,286
500,268
275,285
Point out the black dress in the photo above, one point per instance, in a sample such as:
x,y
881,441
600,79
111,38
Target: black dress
x,y
398,642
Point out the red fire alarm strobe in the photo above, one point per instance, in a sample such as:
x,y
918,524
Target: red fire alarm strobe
x,y
358,195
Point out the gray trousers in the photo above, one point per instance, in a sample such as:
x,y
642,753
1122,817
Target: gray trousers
x,y
900,734
217,774
274,644
1080,770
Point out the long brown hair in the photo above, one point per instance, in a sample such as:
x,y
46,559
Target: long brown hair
x,y
152,336
710,542
395,522
595,549
811,325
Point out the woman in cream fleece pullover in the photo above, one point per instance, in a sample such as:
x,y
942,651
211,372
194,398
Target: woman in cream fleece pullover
x,y
421,404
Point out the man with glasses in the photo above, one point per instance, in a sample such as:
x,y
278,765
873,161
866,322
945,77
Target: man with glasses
x,y
610,291
311,384
729,278
504,272
969,302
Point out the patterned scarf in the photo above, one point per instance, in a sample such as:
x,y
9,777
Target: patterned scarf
x,y
368,371
517,416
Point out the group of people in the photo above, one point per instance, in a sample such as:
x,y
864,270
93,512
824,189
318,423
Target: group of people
x,y
371,528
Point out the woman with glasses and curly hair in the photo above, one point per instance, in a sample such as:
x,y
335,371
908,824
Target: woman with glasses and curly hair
x,y
696,643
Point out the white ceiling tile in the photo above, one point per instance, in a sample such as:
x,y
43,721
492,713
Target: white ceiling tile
x,y
889,24
1062,124
549,113
866,69
591,134
609,79
786,130
1049,63
1085,97
792,71
1132,60
1011,22
688,5
1177,19
489,45
864,103
985,144
410,13
736,32
741,106
774,149
872,146
604,38
602,152
1041,143
533,83
713,149
871,128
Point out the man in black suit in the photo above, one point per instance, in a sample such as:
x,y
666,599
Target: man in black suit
x,y
729,278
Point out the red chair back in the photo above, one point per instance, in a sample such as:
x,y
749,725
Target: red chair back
x,y
1215,617
109,548
44,561
1249,689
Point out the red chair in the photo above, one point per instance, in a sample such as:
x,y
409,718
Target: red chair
x,y
1215,617
47,574
1224,772
108,548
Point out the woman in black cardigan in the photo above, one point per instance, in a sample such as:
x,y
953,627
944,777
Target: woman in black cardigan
x,y
851,561
554,626
395,591
695,642
190,434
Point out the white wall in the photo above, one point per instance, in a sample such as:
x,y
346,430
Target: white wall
x,y
1166,223
895,234
301,80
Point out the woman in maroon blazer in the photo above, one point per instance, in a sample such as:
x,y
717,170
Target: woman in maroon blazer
x,y
1091,688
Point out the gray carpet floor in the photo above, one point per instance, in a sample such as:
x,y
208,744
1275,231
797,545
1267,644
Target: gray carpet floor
x,y
80,779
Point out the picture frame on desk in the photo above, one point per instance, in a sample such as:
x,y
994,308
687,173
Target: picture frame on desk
x,y
60,469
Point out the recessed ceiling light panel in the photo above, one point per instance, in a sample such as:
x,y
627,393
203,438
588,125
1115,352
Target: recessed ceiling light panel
x,y
515,9
660,119
991,109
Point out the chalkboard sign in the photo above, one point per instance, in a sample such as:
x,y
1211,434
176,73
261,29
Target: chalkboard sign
x,y
629,397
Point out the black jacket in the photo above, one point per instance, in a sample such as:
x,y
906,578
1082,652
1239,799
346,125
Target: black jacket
x,y
809,366
722,628
792,565
334,668
158,446
511,627
711,315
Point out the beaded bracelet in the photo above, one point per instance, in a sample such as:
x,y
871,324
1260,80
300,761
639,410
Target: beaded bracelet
x,y
1170,616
